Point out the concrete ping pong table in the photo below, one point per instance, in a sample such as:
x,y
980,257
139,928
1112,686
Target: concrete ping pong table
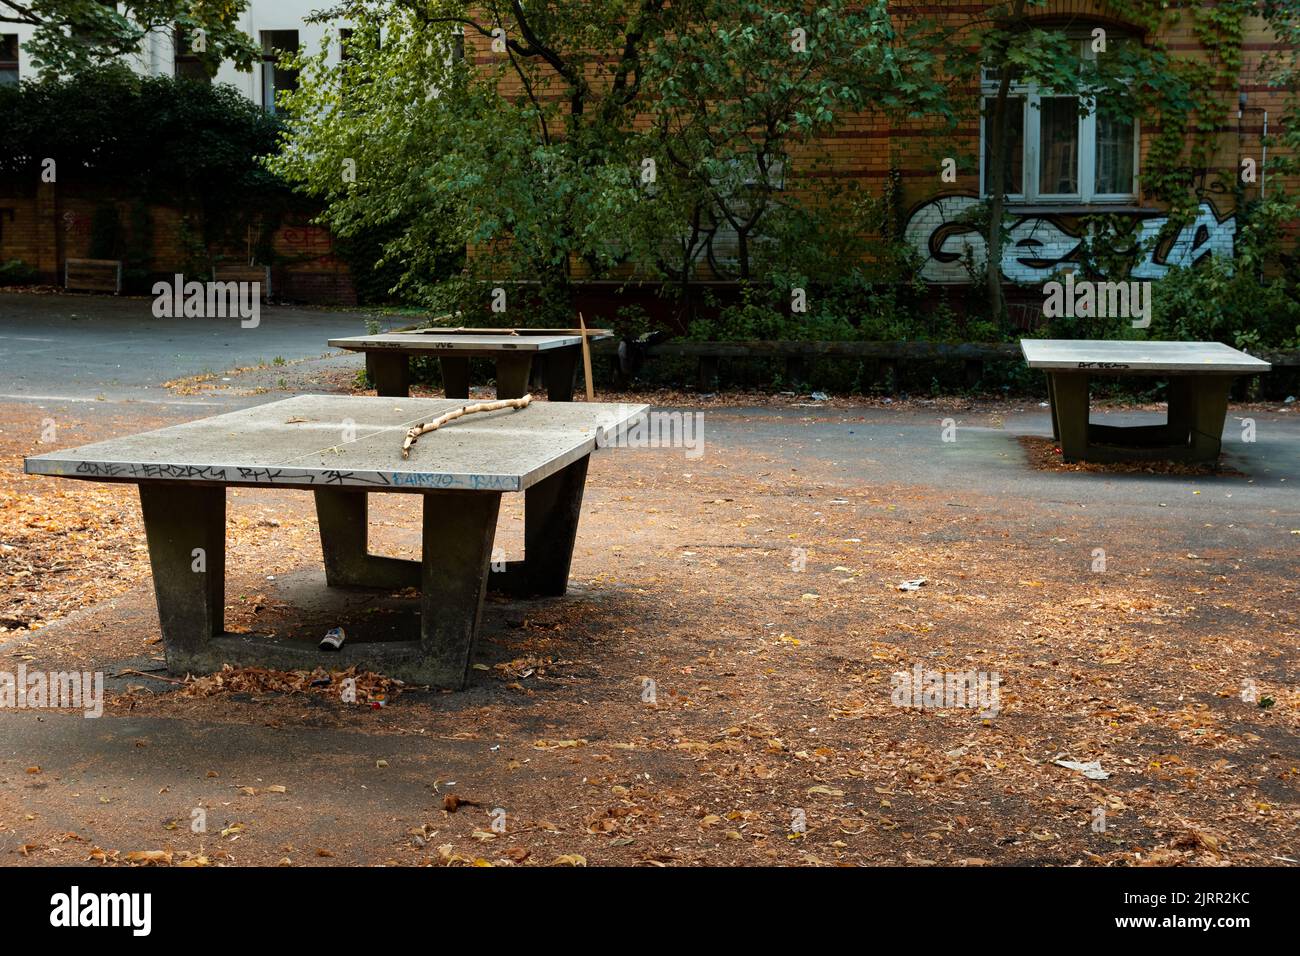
x,y
1199,374
342,448
388,357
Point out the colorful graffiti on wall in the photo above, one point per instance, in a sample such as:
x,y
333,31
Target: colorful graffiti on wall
x,y
1038,245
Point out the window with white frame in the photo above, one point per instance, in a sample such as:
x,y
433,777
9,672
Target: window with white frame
x,y
1059,150
8,59
277,79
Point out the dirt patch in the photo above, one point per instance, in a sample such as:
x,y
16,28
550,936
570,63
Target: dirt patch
x,y
719,688
1044,454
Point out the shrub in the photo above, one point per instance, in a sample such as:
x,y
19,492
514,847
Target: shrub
x,y
16,272
193,145
1249,301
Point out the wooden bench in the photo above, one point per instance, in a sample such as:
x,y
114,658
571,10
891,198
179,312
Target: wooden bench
x,y
242,272
93,275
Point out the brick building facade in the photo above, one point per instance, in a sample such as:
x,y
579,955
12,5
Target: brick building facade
x,y
1068,167
1046,218
44,224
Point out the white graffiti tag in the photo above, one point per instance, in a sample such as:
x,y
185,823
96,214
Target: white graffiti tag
x,y
941,231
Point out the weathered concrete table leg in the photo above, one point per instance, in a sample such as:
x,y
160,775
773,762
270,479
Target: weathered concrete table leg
x,y
512,375
391,373
186,529
458,528
552,508
342,516
455,376
1051,404
1069,391
458,532
1198,408
561,370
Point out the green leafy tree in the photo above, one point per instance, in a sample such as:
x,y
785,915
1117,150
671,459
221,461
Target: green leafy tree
x,y
595,138
519,159
116,134
73,35
745,97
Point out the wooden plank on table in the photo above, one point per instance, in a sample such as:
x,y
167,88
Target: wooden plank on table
x,y
461,330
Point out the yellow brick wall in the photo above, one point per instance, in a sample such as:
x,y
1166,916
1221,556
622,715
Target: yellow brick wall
x,y
865,147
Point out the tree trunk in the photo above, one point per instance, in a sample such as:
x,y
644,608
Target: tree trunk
x,y
742,253
998,123
997,135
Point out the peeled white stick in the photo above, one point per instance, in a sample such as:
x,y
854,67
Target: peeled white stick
x,y
413,433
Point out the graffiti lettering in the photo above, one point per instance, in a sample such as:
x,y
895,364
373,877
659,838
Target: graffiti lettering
x,y
1037,246
423,481
475,482
101,469
271,476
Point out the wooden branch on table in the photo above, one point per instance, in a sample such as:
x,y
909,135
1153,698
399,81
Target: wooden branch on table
x,y
424,428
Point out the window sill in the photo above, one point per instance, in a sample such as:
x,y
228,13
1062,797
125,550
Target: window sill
x,y
1081,209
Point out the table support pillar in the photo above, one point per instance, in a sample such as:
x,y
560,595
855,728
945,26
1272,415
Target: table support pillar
x,y
185,527
1198,407
512,374
344,533
561,370
1070,412
455,376
390,372
1180,405
552,508
1051,404
458,532
1205,411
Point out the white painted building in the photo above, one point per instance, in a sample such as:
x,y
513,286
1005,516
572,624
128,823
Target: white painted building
x,y
273,24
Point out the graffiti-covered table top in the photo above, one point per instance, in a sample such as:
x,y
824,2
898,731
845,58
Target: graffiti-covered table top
x,y
1095,355
343,441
